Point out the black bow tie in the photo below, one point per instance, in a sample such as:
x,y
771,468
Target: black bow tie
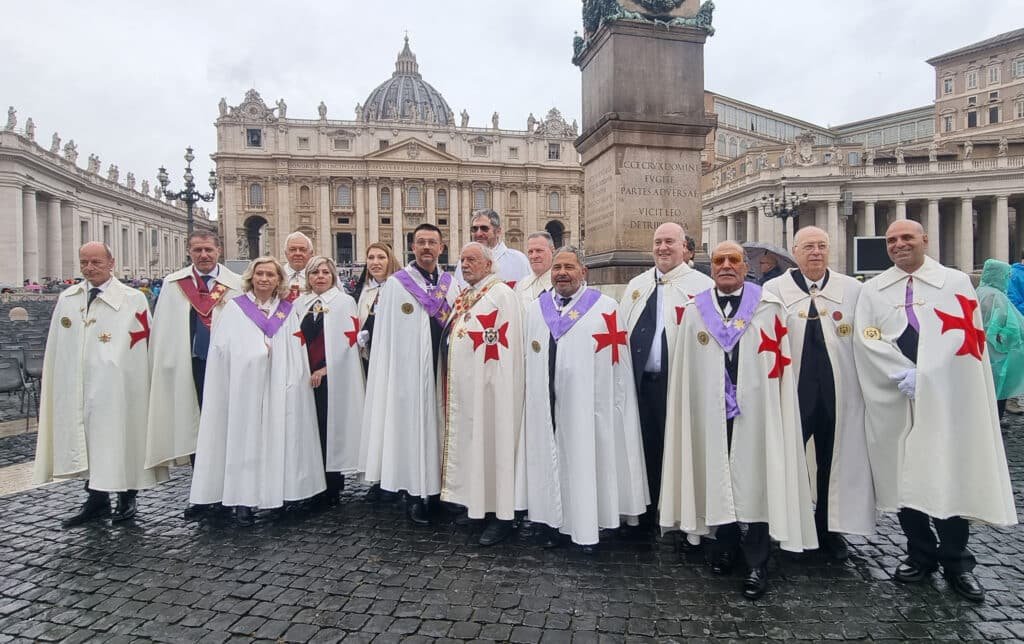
x,y
733,300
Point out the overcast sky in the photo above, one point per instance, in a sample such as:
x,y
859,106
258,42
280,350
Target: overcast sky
x,y
135,82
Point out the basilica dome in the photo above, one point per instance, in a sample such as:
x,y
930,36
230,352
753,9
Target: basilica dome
x,y
406,96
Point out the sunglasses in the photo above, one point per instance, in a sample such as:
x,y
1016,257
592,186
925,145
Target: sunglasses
x,y
732,258
482,229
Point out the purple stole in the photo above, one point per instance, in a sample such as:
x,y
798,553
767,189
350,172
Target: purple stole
x,y
270,326
436,303
727,334
559,324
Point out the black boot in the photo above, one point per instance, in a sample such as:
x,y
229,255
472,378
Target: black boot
x,y
244,516
496,532
419,511
95,507
126,506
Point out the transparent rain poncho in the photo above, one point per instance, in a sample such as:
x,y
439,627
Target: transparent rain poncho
x,y
1004,329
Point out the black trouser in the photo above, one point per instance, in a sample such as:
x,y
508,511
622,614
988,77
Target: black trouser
x,y
335,480
651,396
756,544
950,549
100,496
1001,406
820,423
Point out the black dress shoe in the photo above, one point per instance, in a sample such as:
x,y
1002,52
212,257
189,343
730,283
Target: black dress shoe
x,y
549,538
722,562
834,545
910,572
419,512
126,507
244,516
590,549
495,532
196,511
95,507
966,585
756,582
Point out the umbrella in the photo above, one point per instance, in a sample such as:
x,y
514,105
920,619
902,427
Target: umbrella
x,y
756,250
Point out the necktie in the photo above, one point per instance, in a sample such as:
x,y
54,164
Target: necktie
x,y
911,315
93,292
565,301
728,304
204,283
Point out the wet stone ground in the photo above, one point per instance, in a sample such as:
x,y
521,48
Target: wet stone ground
x,y
361,572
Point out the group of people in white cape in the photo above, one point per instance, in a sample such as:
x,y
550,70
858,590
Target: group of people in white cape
x,y
791,413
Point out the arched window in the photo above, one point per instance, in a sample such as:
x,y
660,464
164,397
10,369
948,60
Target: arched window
x,y
442,199
304,196
743,147
554,202
513,200
414,197
385,198
479,199
343,196
720,146
733,148
256,195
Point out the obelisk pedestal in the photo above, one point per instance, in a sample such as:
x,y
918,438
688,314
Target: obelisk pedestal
x,y
644,127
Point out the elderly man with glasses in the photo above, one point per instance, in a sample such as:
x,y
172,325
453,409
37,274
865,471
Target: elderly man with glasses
x,y
510,265
733,451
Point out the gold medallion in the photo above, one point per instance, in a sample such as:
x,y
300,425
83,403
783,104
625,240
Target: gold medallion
x,y
872,333
105,337
407,308
636,295
461,334
844,330
280,315
536,346
573,314
215,295
739,324
703,337
65,322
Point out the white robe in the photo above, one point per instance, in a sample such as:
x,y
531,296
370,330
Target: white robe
x,y
530,287
258,442
366,299
510,265
851,494
681,284
95,391
401,444
764,477
173,405
345,385
942,452
588,472
481,403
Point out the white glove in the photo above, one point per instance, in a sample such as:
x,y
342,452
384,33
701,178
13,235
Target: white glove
x,y
363,339
906,382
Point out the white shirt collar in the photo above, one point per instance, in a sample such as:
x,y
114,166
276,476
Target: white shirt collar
x,y
738,292
102,287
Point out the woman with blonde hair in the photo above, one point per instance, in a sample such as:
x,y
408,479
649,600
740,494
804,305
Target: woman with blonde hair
x,y
381,264
257,447
327,324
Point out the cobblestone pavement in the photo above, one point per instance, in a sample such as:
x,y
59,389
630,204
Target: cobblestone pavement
x,y
17,449
361,572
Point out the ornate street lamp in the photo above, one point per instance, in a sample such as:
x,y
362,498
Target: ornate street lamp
x,y
189,195
782,207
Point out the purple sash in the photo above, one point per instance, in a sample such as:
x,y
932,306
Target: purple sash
x,y
728,334
559,324
270,326
436,303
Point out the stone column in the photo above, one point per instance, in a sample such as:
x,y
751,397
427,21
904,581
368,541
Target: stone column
x,y
373,213
71,237
832,227
431,189
751,224
31,240
54,241
901,209
869,218
360,206
285,223
454,234
531,209
933,229
467,208
326,239
730,226
965,236
496,201
228,196
12,235
1002,229
573,216
397,227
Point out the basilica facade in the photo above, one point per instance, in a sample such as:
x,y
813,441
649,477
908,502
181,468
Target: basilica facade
x,y
404,159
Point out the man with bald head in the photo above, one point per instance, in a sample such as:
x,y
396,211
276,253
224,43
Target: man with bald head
x,y
298,249
95,391
819,306
652,310
540,249
932,427
733,450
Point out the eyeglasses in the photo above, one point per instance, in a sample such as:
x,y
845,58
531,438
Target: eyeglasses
x,y
732,258
482,229
811,246
426,243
